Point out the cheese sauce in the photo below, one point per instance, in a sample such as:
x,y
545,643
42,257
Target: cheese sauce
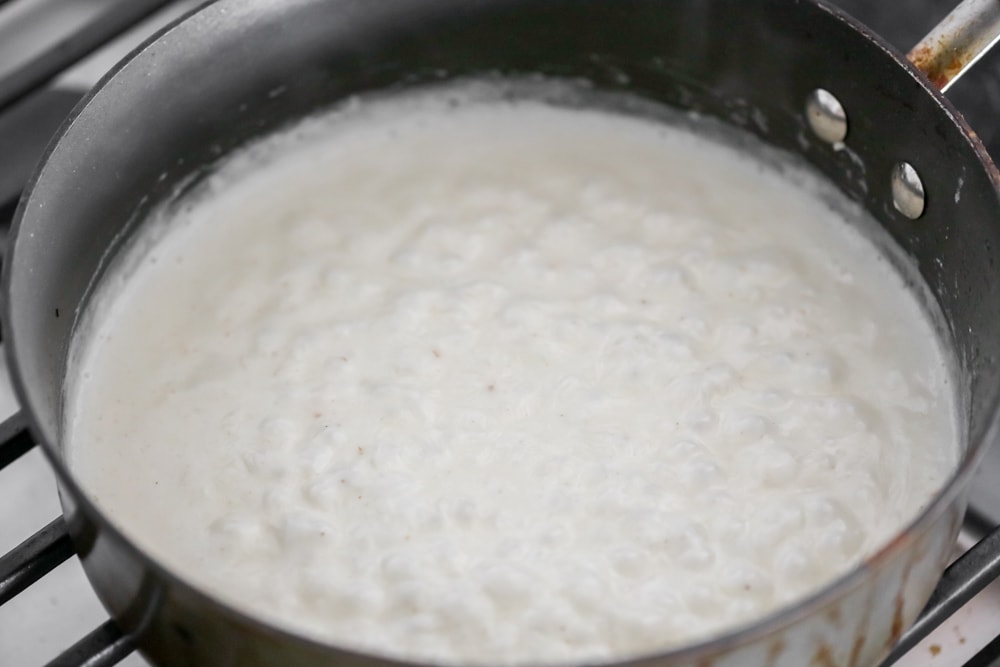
x,y
507,382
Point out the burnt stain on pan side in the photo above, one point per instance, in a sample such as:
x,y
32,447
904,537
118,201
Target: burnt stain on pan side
x,y
896,630
861,637
774,651
897,620
823,657
859,642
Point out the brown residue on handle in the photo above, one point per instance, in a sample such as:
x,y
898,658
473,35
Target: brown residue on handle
x,y
971,28
940,63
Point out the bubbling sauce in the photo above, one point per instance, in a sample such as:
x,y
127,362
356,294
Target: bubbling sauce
x,y
508,382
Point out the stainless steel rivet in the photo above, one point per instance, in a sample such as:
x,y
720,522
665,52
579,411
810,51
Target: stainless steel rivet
x,y
826,116
907,190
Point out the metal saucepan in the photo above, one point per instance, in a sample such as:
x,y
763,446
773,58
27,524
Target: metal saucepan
x,y
241,68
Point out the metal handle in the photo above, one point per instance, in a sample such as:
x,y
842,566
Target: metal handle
x,y
955,44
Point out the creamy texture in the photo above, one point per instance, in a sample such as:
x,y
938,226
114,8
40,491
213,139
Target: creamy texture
x,y
509,383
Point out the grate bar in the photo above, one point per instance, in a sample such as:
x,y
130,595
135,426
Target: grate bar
x,y
963,579
977,523
15,439
104,647
70,50
7,210
34,558
989,656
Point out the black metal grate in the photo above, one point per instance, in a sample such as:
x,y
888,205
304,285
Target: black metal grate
x,y
37,72
963,579
29,113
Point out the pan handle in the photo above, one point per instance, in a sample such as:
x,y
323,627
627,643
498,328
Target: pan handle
x,y
955,44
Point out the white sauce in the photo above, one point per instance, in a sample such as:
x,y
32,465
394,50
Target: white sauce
x,y
509,383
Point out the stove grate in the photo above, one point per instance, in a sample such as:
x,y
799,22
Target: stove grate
x,y
22,89
40,70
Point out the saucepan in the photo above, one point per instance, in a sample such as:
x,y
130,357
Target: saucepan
x,y
801,75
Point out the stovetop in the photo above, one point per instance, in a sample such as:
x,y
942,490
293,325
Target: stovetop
x,y
61,608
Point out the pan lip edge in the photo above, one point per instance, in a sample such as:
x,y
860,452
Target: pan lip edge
x,y
760,628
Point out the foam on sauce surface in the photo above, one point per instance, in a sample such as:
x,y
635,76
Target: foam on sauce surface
x,y
509,383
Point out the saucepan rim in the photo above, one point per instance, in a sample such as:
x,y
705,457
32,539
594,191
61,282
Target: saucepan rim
x,y
777,620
